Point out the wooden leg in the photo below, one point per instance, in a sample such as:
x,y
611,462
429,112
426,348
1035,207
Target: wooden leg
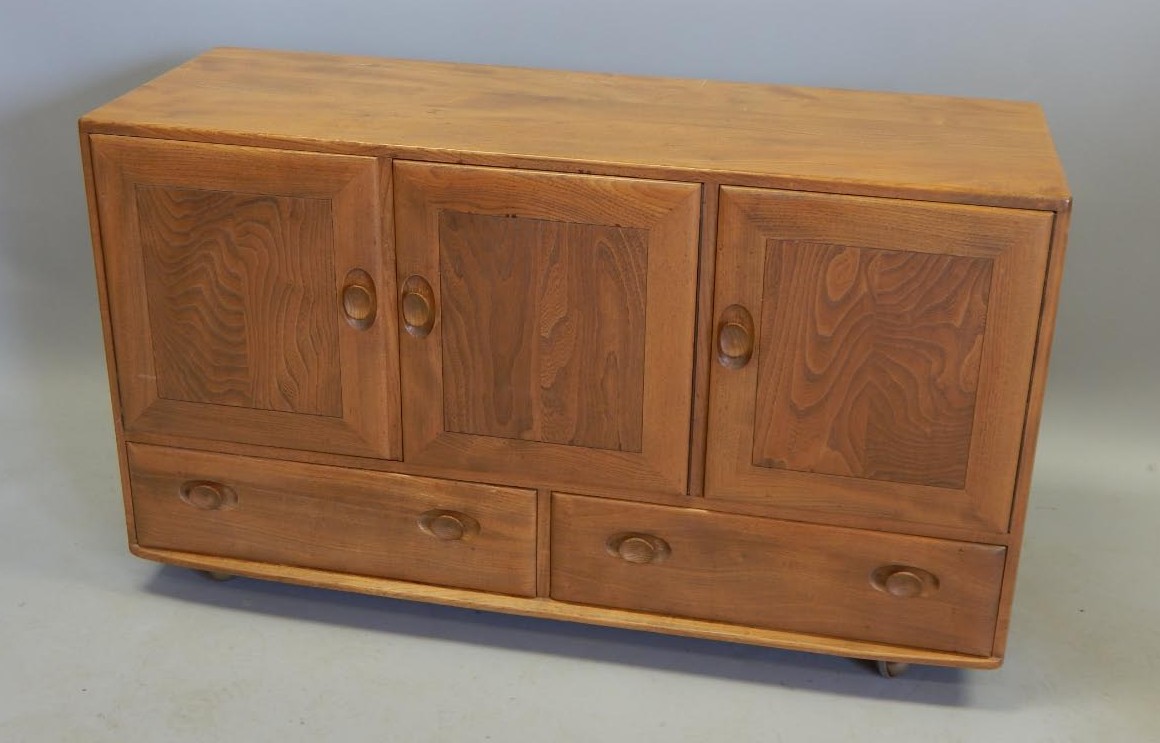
x,y
892,669
216,575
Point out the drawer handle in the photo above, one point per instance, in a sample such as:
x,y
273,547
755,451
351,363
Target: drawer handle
x,y
735,337
359,303
418,306
450,526
639,549
208,495
903,581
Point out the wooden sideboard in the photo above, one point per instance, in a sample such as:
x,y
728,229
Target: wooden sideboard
x,y
753,363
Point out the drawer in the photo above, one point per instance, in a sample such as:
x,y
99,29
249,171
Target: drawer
x,y
823,580
331,518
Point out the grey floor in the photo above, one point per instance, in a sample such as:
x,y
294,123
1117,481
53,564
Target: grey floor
x,y
96,645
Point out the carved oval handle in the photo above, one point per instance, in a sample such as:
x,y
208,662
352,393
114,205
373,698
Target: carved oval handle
x,y
450,526
904,581
639,549
735,337
208,495
418,306
359,303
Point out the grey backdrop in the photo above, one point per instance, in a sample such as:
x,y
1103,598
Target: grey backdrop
x,y
1094,66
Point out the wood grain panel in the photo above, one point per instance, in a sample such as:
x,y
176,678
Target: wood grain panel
x,y
871,362
546,286
877,315
241,295
930,147
225,273
775,574
350,521
543,329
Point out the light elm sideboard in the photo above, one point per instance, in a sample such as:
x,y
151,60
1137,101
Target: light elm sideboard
x,y
746,362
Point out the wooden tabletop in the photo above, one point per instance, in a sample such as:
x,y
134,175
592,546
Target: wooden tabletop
x,y
948,149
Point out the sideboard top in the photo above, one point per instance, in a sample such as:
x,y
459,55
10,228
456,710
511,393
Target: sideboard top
x,y
920,146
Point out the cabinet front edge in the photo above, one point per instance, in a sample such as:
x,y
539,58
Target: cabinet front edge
x,y
1047,200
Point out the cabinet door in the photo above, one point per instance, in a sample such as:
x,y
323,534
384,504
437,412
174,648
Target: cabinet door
x,y
873,356
547,324
243,295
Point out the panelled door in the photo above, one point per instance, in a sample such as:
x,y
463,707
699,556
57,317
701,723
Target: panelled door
x,y
243,289
547,324
873,356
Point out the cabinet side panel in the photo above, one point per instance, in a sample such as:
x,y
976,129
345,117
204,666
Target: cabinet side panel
x,y
1031,426
106,327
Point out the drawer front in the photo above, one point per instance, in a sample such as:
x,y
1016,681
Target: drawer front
x,y
330,518
903,590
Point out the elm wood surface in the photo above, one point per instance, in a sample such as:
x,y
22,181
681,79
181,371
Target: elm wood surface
x,y
545,287
222,268
359,300
774,574
364,523
704,338
560,307
225,268
705,136
548,609
892,358
618,491
935,147
886,351
543,542
107,328
1050,306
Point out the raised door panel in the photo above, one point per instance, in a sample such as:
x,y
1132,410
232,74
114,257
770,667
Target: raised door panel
x,y
547,324
874,356
243,295
579,381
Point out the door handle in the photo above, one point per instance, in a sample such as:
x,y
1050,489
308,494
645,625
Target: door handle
x,y
418,302
359,303
735,337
